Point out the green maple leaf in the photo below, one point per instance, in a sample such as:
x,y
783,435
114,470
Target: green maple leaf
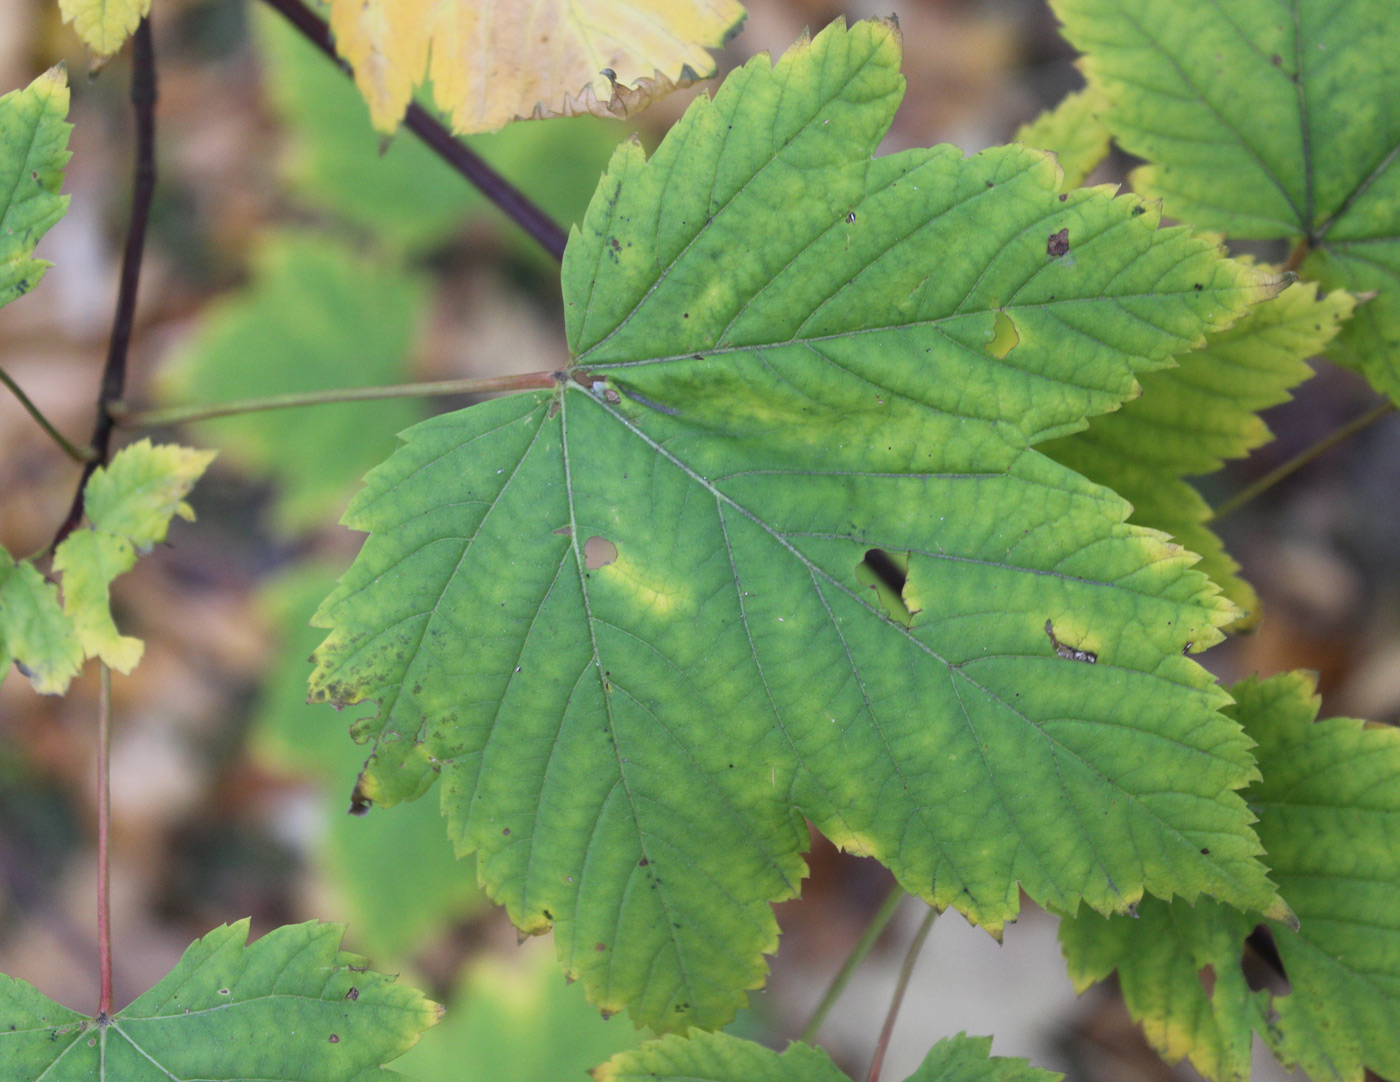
x,y
33,152
1329,816
290,1006
1267,119
34,632
1191,418
624,619
717,1057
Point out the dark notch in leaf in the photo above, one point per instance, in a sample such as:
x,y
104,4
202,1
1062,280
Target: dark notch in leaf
x,y
1069,653
886,574
1263,965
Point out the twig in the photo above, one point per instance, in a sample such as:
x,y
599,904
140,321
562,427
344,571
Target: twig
x,y
1301,459
838,984
77,454
143,100
514,203
906,971
104,840
127,417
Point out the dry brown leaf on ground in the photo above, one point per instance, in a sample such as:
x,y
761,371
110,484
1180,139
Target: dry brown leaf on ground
x,y
493,61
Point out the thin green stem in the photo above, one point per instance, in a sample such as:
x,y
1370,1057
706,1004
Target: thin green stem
x,y
877,924
1301,459
104,840
127,417
905,972
77,454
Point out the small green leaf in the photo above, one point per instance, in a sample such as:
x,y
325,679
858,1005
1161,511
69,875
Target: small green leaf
x,y
1191,418
33,152
717,1057
89,560
34,633
1264,119
624,619
129,503
143,488
1329,816
290,1006
1073,132
316,315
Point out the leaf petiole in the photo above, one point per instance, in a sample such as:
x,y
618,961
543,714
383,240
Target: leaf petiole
x,y
1301,459
77,454
906,971
126,417
863,947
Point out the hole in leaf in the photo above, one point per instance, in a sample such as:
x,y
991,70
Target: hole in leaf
x,y
1206,975
1263,965
564,531
598,552
887,574
1004,336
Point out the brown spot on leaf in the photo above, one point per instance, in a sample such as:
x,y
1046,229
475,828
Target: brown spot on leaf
x,y
353,994
1058,244
335,1038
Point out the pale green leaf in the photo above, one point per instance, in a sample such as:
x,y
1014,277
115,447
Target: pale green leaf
x,y
34,633
1073,132
104,25
1190,419
89,560
716,1057
517,1020
33,152
389,915
129,503
1266,118
402,190
1329,816
315,315
142,489
290,1006
624,618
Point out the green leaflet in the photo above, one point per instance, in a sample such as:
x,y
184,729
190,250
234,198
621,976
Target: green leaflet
x,y
1073,132
1329,816
33,152
316,314
129,505
1267,119
402,190
1191,418
288,1006
623,619
717,1057
34,633
389,913
515,1020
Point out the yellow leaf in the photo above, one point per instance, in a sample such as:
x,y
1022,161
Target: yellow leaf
x,y
104,25
493,61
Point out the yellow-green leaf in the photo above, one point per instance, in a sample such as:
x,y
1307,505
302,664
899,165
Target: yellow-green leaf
x,y
33,152
89,560
1073,132
493,61
143,488
34,632
1190,419
104,25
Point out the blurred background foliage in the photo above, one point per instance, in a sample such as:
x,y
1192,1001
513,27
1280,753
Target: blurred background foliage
x,y
293,249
